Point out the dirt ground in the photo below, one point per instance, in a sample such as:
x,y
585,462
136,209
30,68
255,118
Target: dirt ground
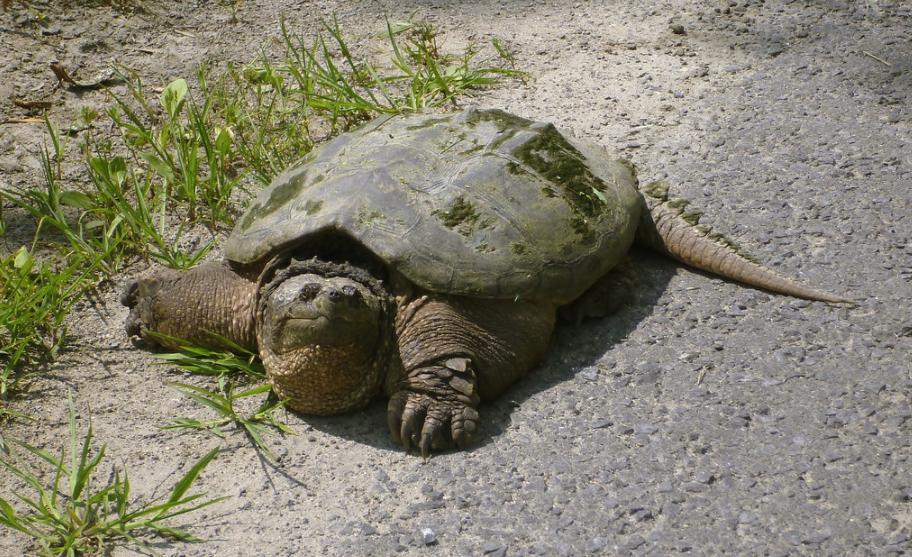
x,y
705,417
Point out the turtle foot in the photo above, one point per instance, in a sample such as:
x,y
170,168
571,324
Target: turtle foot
x,y
423,421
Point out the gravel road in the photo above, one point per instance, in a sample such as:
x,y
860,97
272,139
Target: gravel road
x,y
704,418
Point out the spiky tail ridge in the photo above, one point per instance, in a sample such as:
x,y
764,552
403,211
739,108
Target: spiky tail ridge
x,y
666,227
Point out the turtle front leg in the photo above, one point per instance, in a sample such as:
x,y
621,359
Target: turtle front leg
x,y
436,406
456,352
200,305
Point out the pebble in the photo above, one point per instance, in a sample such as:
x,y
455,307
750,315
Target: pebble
x,y
694,487
494,549
634,542
595,545
427,536
817,537
601,423
589,373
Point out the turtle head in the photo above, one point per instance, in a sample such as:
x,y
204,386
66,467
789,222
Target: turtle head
x,y
309,309
324,340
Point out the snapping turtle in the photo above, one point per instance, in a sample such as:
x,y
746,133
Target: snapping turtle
x,y
426,257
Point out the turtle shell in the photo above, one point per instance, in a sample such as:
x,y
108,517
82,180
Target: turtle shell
x,y
477,203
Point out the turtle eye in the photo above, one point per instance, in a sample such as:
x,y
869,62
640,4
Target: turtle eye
x,y
309,291
350,291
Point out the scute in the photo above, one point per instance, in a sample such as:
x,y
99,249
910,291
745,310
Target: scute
x,y
478,203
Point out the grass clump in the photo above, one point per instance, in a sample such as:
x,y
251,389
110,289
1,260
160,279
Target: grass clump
x,y
72,516
231,370
36,299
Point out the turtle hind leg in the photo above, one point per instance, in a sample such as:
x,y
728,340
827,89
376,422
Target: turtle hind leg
x,y
615,289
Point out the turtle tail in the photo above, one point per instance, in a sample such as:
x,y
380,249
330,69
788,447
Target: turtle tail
x,y
666,226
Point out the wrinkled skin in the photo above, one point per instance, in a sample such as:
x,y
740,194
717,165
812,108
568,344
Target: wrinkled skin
x,y
328,349
455,352
319,339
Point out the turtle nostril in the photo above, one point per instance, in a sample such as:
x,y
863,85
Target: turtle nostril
x,y
309,292
334,295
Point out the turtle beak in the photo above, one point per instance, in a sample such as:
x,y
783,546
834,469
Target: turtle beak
x,y
329,301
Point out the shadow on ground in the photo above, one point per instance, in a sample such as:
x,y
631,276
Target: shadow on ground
x,y
582,346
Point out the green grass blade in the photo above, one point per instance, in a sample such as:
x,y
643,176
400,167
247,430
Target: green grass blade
x,y
258,390
184,484
207,398
10,519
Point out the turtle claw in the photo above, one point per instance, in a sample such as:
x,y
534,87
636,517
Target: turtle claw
x,y
421,421
128,296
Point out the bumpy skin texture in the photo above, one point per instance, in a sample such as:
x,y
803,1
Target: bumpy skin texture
x,y
456,351
666,228
325,334
437,358
212,298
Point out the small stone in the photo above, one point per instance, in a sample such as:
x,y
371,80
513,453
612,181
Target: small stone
x,y
648,374
747,518
416,508
738,422
678,29
601,423
775,50
589,373
792,537
646,429
364,529
817,537
898,538
494,549
596,544
427,536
